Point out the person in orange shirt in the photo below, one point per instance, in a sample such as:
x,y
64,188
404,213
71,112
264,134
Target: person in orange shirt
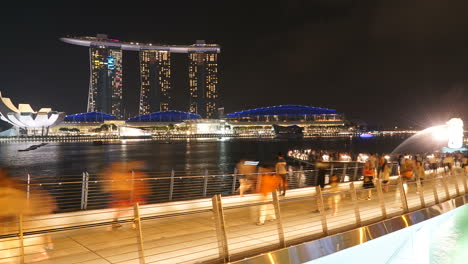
x,y
269,182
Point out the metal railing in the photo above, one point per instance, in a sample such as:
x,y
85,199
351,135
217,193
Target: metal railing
x,y
221,229
91,191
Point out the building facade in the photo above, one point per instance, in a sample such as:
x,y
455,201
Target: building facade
x,y
155,75
203,82
105,87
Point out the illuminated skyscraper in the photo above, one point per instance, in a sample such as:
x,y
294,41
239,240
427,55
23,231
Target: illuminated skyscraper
x,y
155,74
203,79
105,87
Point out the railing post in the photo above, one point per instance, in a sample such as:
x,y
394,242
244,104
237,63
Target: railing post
x,y
84,191
28,187
220,228
404,202
421,192
279,222
464,178
332,167
171,185
205,183
355,170
318,192
381,198
344,171
132,192
137,221
234,181
447,193
357,214
434,189
454,177
21,237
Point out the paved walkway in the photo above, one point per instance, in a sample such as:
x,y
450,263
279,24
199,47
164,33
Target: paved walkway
x,y
184,232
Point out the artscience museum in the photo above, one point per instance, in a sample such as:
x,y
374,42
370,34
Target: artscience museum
x,y
24,120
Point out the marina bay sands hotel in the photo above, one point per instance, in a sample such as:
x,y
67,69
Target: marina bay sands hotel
x,y
105,87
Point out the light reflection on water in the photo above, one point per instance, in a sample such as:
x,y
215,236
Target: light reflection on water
x,y
59,159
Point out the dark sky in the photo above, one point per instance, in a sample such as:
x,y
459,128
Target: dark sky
x,y
385,62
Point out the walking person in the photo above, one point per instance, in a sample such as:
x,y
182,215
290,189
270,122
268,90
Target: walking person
x,y
368,183
384,176
268,184
419,172
280,169
247,170
406,173
335,198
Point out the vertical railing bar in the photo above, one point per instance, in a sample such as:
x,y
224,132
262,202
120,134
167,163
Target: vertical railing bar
x,y
453,175
434,189
83,191
171,186
279,222
464,179
137,221
404,201
447,193
344,171
321,208
381,199
132,192
205,183
421,192
86,190
355,170
234,181
357,213
220,225
28,187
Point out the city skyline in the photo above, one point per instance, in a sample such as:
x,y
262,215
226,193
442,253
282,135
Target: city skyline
x,y
402,66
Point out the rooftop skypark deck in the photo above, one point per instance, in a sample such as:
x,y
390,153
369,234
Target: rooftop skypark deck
x,y
137,46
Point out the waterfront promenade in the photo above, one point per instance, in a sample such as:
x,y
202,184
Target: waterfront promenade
x,y
189,231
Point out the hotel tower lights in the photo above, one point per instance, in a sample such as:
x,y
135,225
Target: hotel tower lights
x,y
155,74
203,79
105,85
105,90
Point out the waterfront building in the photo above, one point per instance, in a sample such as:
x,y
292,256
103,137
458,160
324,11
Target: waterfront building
x,y
105,94
203,81
312,119
155,74
27,121
86,123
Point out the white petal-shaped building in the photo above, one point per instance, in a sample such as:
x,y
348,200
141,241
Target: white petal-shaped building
x,y
26,118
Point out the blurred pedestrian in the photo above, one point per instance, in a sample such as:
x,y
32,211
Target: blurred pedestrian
x,y
269,183
384,176
247,172
368,183
280,169
419,172
15,202
127,186
335,198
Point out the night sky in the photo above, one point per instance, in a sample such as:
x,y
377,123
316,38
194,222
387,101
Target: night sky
x,y
388,63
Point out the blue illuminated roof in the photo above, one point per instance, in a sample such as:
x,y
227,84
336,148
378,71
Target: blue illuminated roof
x,y
165,116
89,117
282,110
